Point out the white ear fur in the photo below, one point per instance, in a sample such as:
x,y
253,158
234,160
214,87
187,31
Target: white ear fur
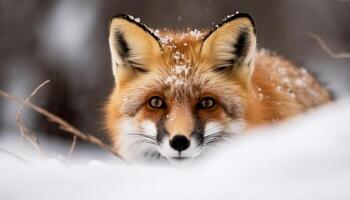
x,y
233,42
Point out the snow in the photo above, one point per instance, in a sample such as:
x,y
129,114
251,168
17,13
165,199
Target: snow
x,y
174,80
307,157
170,79
196,34
138,20
165,40
179,18
179,69
177,55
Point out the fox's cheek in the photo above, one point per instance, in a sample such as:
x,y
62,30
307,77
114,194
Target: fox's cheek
x,y
148,128
212,128
232,127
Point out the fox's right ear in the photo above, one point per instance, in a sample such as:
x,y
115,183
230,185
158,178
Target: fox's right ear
x,y
131,44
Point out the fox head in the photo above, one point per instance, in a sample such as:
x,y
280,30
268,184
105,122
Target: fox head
x,y
177,93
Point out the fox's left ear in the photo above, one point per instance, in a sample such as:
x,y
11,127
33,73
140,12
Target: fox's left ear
x,y
232,43
131,44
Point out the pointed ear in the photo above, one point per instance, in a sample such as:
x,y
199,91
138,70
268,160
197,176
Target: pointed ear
x,y
132,44
231,44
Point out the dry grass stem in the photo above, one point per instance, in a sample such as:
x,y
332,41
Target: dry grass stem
x,y
25,132
327,49
14,155
63,125
71,149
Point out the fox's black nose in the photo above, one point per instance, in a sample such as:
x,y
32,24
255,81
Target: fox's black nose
x,y
179,143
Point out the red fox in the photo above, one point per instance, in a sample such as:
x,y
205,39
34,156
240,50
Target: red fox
x,y
177,93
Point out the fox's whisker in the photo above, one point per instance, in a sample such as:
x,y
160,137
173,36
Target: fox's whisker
x,y
142,136
138,143
149,132
216,138
141,141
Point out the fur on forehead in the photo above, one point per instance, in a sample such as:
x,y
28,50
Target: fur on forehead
x,y
180,48
181,87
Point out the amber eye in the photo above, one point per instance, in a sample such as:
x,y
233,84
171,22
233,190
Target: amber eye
x,y
156,102
206,103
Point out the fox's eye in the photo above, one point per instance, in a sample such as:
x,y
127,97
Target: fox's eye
x,y
206,103
156,102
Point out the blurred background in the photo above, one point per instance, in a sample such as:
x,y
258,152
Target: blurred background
x,y
66,41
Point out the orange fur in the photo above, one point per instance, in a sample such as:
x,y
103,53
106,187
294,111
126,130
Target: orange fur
x,y
267,90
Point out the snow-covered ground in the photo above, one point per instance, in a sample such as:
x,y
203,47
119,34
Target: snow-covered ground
x,y
307,157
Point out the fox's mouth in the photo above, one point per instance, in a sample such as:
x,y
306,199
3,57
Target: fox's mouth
x,y
171,159
179,160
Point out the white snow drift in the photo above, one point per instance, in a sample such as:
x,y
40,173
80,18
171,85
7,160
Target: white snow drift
x,y
304,158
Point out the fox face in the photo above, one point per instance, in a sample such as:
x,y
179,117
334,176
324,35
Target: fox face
x,y
176,94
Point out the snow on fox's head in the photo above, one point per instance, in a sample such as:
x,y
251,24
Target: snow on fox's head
x,y
177,93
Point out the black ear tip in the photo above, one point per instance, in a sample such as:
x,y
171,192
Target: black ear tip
x,y
119,15
122,16
246,15
230,18
133,20
238,16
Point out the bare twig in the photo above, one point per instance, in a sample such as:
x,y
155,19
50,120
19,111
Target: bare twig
x,y
327,49
25,132
14,155
71,149
63,125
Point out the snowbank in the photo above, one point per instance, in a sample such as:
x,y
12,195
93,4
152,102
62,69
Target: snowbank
x,y
305,158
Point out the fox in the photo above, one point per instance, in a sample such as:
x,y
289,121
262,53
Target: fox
x,y
176,93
